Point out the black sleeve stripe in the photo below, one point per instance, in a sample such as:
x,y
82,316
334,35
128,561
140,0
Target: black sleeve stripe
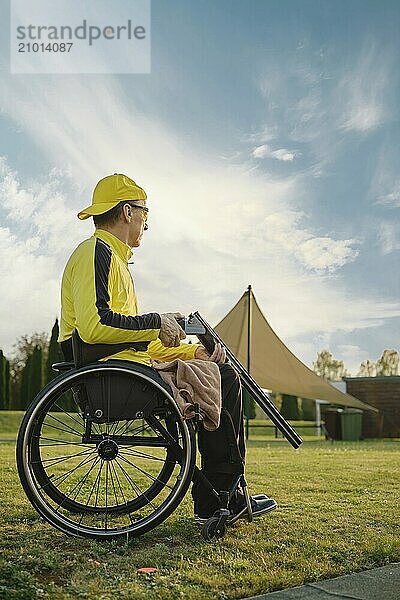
x,y
102,262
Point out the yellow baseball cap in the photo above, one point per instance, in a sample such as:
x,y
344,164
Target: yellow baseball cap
x,y
109,192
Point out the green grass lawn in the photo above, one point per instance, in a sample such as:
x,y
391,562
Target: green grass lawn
x,y
338,513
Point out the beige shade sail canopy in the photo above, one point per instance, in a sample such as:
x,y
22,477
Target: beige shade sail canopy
x,y
271,363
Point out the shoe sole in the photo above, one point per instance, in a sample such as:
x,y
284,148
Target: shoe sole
x,y
243,513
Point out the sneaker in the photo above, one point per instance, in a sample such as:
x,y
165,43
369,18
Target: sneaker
x,y
260,505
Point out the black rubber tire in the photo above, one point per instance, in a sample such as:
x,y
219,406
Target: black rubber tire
x,y
209,531
66,525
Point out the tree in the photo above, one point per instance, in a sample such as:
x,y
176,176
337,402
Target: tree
x,y
388,363
4,382
328,367
367,369
290,407
308,409
35,377
31,379
22,349
7,389
21,401
249,407
54,354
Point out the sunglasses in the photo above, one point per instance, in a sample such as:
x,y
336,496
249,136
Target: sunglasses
x,y
145,213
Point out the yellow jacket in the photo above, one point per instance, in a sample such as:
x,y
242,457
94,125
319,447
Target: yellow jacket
x,y
98,298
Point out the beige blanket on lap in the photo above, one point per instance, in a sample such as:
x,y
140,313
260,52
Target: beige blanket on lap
x,y
194,382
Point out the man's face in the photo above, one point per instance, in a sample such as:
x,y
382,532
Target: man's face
x,y
137,223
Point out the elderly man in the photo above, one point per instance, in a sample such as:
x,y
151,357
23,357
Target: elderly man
x,y
98,298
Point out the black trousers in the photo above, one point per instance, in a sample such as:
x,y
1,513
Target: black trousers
x,y
223,450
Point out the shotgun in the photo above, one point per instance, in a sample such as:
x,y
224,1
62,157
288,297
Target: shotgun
x,y
194,324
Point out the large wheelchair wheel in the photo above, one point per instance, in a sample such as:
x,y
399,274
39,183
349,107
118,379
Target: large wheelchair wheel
x,y
111,472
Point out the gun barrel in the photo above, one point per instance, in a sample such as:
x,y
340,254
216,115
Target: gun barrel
x,y
263,400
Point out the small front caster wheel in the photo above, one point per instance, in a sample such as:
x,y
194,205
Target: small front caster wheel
x,y
211,529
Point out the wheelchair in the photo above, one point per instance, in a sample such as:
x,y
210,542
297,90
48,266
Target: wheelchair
x,y
103,450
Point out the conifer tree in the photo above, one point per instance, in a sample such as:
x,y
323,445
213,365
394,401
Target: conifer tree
x,y
3,404
290,407
8,385
35,374
249,407
54,354
22,400
308,409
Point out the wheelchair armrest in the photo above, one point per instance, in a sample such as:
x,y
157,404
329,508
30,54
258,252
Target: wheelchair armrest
x,y
63,366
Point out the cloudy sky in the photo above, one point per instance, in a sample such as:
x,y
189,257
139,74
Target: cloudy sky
x,y
267,139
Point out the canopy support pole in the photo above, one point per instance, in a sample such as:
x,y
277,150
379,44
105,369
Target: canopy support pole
x,y
248,351
318,416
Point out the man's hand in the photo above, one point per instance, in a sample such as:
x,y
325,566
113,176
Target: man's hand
x,y
171,333
218,356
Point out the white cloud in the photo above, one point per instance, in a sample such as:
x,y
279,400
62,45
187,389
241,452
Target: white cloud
x,y
324,253
34,243
30,288
389,237
283,154
39,209
266,134
391,199
385,181
265,151
363,91
319,254
362,115
352,356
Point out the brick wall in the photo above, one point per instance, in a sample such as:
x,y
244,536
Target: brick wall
x,y
384,394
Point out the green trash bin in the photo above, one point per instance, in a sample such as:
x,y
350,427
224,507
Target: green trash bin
x,y
351,421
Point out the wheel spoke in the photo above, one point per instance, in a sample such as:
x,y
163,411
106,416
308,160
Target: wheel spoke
x,y
119,483
63,430
106,513
113,469
98,483
64,476
132,452
79,410
117,426
113,484
81,483
91,491
69,430
134,485
70,414
59,459
139,429
145,472
65,496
